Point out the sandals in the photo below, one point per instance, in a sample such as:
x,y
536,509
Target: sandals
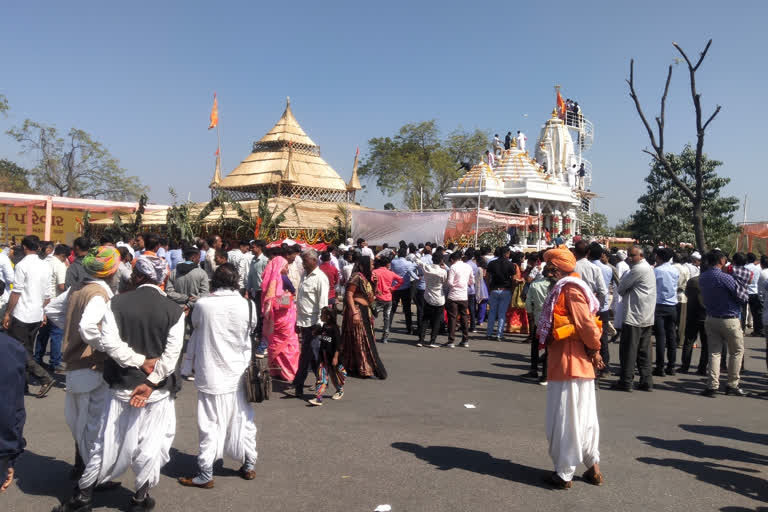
x,y
591,477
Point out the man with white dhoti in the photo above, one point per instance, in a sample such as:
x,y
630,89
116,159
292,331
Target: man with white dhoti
x,y
521,139
571,333
90,336
139,420
220,350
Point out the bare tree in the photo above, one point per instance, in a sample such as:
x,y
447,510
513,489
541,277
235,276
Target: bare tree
x,y
696,195
74,165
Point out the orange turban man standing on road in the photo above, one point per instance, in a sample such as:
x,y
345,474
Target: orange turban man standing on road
x,y
571,332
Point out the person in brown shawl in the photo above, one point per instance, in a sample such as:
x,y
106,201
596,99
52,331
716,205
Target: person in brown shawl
x,y
359,353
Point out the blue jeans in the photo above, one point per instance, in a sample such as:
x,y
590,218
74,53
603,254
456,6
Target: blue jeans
x,y
498,301
56,335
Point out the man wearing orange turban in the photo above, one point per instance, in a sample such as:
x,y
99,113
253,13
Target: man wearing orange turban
x,y
569,330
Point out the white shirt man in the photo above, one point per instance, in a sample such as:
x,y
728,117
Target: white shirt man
x,y
58,274
593,276
311,298
87,392
220,349
435,279
366,251
238,258
755,270
521,138
693,268
6,276
460,277
32,278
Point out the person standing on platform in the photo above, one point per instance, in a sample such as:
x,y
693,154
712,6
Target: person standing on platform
x,y
521,140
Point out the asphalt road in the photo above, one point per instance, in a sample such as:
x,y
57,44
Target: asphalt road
x,y
410,442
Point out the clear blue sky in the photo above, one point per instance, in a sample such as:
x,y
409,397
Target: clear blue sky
x,y
140,77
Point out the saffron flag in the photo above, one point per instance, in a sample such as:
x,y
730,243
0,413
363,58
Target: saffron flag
x,y
560,104
214,113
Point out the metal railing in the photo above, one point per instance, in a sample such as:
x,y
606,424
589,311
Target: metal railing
x,y
585,128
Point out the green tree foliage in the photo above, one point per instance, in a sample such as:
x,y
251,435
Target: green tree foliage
x,y
340,230
593,224
666,213
14,178
4,107
74,165
178,221
389,206
417,161
120,230
244,225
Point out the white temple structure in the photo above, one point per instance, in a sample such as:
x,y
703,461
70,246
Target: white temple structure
x,y
552,187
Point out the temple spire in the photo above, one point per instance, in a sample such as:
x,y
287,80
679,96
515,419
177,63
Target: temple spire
x,y
354,181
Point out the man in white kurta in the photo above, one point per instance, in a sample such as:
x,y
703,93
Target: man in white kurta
x,y
86,345
139,420
521,139
220,349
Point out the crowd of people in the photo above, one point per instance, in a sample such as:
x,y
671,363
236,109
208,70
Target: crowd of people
x,y
128,320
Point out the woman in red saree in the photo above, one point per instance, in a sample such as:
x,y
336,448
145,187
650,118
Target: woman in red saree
x,y
358,345
279,313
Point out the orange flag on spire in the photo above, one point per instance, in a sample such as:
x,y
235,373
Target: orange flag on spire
x,y
560,104
214,113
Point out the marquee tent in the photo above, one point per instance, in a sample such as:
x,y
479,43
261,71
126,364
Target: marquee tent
x,y
442,227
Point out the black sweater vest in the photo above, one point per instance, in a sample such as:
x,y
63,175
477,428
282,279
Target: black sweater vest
x,y
144,318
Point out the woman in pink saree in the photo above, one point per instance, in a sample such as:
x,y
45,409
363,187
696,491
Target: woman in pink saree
x,y
279,312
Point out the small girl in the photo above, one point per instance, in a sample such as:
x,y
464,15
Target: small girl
x,y
328,364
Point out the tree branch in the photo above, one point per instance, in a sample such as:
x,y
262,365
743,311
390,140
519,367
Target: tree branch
x,y
639,108
661,119
717,111
658,154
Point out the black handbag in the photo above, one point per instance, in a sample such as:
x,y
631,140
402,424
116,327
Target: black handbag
x,y
258,381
